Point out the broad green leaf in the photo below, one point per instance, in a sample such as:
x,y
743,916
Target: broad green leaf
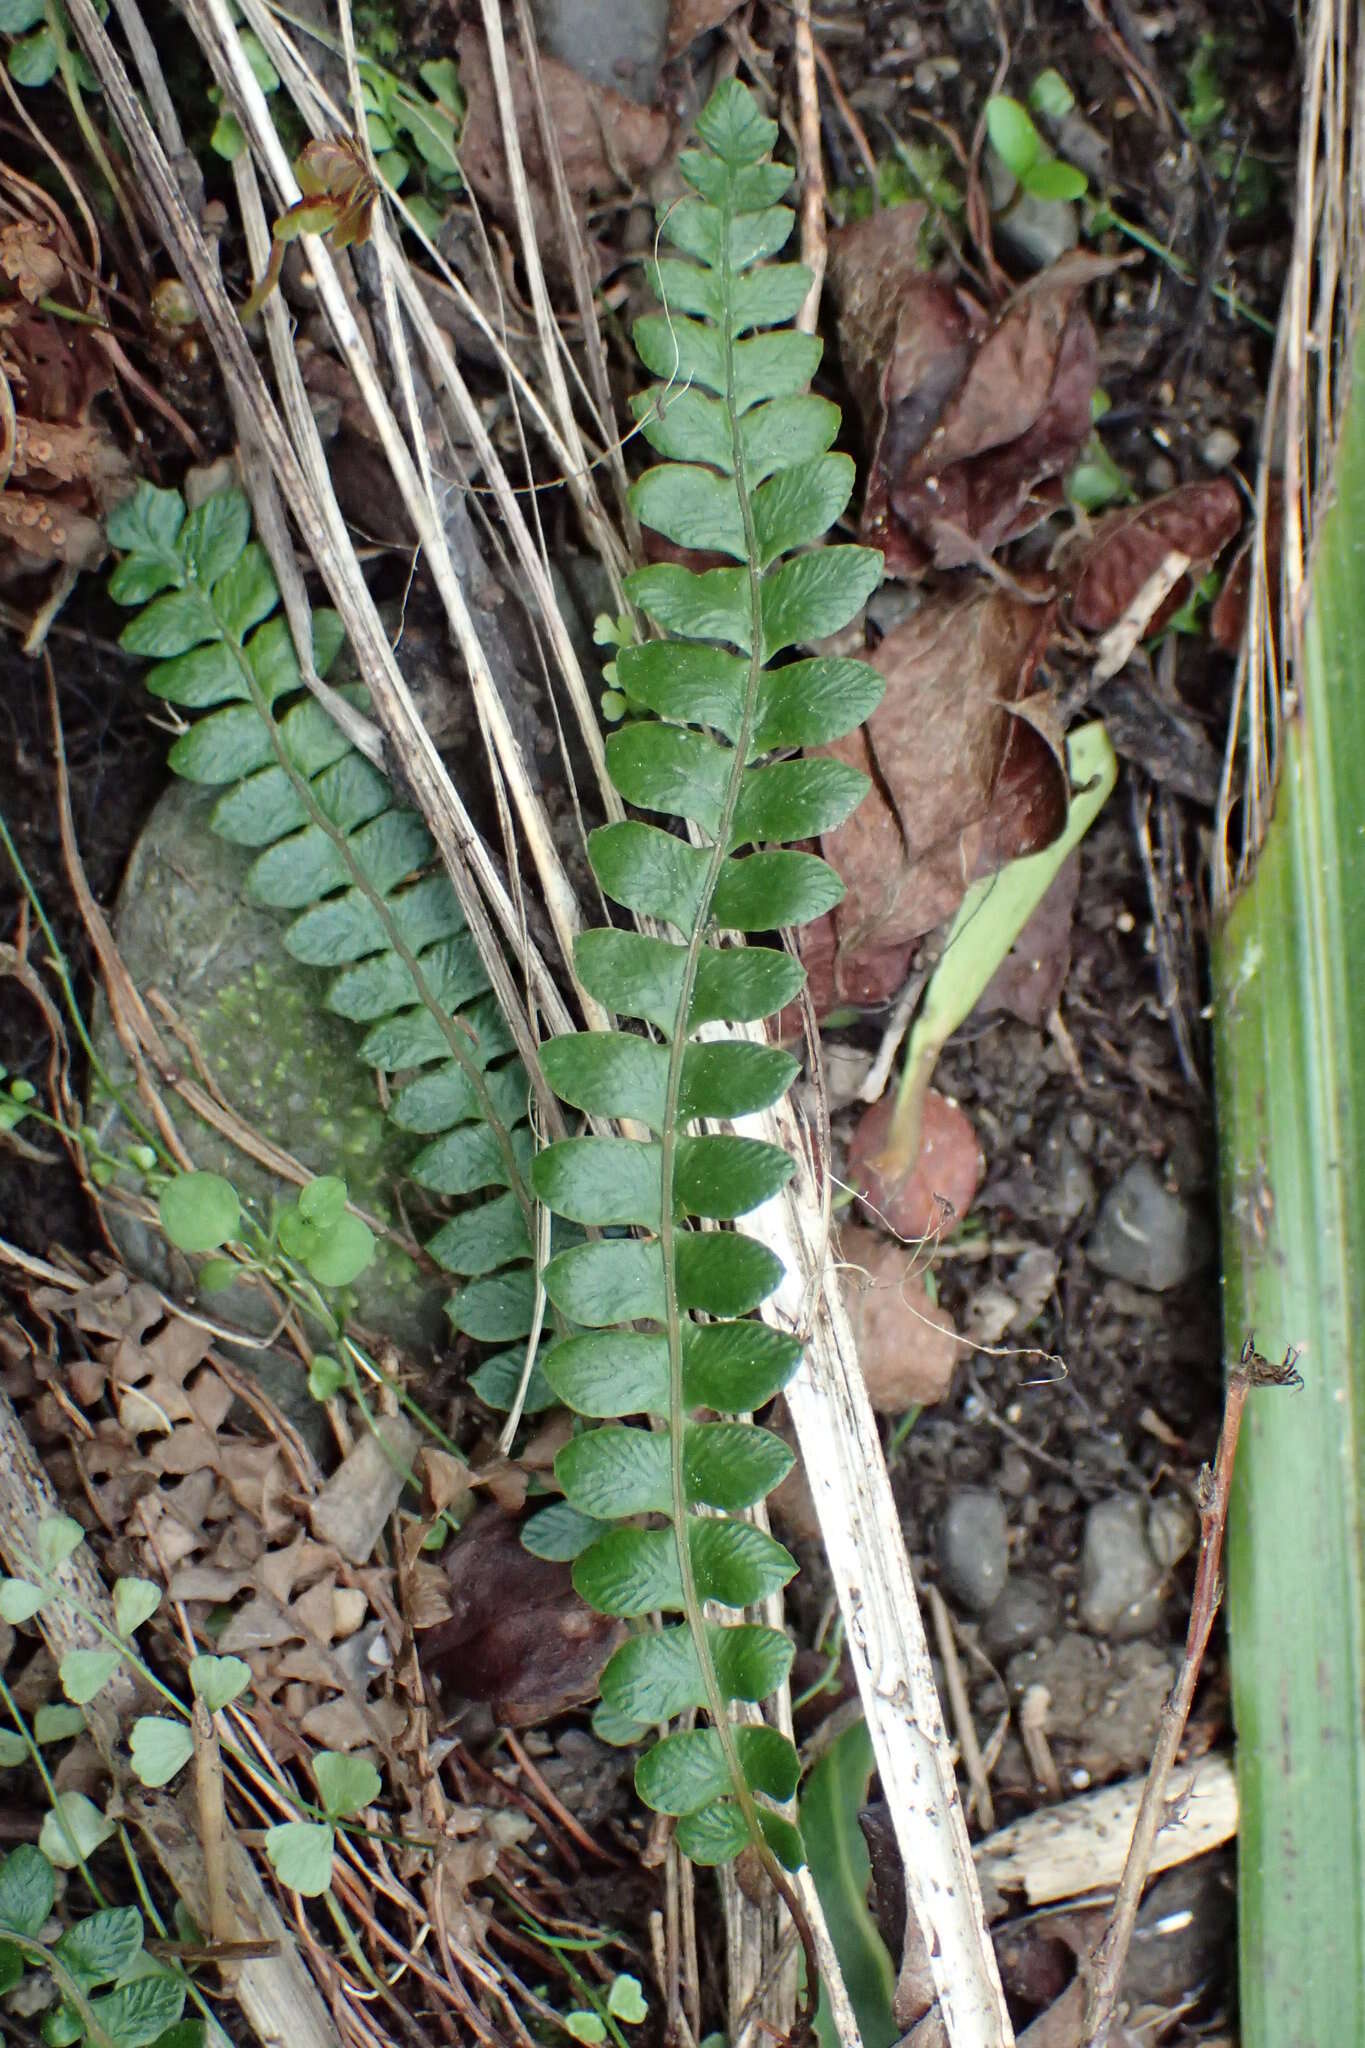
x,y
466,1160
712,605
1054,180
245,595
17,16
13,1750
483,1239
149,521
769,890
11,1966
56,1722
496,1308
228,743
217,1681
588,2027
610,1073
731,1465
788,800
346,1784
814,595
451,969
685,425
730,123
665,768
767,298
686,288
737,1367
786,430
716,1834
735,1563
611,1473
630,1572
725,1177
34,60
626,2001
135,1601
727,1078
808,703
300,1853
86,1672
649,870
72,1830
338,1256
348,927
745,187
137,2014
642,977
215,535
1013,136
722,238
560,1533
27,1889
199,1211
100,1947
656,1676
600,1181
621,1279
497,1380
692,507
693,685
171,625
205,676
616,1372
800,504
689,1770
160,1747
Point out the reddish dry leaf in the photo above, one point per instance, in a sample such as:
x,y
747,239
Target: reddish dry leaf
x,y
688,19
518,1636
1227,617
907,1345
968,773
975,421
608,143
1108,567
942,1184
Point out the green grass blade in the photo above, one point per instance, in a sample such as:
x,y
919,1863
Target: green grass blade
x,y
1289,980
842,1870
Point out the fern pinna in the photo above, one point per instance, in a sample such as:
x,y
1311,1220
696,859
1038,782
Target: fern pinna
x,y
357,870
711,739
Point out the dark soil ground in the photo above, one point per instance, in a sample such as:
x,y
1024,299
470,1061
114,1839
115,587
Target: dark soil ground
x,y
1085,1386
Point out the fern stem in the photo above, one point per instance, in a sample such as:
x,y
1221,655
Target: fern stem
x,y
668,1138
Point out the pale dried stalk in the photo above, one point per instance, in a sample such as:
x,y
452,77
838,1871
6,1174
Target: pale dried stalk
x,y
278,1998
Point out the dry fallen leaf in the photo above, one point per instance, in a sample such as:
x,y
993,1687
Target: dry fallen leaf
x,y
688,19
1107,567
907,1345
940,1187
518,1635
968,773
975,419
608,143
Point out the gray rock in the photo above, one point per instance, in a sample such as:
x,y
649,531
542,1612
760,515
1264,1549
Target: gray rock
x,y
1028,1609
619,43
1220,448
1120,1578
1104,1704
1172,1530
1036,231
1184,1926
286,1065
1148,1235
973,1547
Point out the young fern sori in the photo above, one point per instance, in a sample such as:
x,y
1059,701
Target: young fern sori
x,y
749,475
358,872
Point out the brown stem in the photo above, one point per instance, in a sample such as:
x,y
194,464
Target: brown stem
x,y
1107,1961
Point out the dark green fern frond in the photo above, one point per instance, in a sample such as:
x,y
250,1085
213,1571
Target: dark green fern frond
x,y
665,1314
358,872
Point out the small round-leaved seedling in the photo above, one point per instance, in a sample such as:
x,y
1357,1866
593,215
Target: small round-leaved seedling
x,y
199,1211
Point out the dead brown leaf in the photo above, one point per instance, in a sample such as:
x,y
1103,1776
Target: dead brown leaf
x,y
518,1636
688,19
907,1345
608,143
968,773
1107,568
940,1186
975,419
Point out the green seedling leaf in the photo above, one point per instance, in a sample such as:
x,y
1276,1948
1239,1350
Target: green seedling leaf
x,y
199,1211
19,1601
323,1202
327,1377
585,2026
57,1723
11,1967
217,1681
1052,179
27,1889
73,1830
346,1784
626,2001
217,1274
33,62
1051,96
17,16
58,1536
13,1750
138,2014
160,1747
1013,136
86,1672
101,1947
135,1601
300,1853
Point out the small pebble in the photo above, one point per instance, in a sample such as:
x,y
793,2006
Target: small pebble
x,y
1028,1609
1219,448
1162,474
1172,1530
1015,1476
973,1547
1120,1579
1147,1235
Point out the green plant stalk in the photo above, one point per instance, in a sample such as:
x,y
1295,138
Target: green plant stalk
x,y
842,1871
992,915
1288,969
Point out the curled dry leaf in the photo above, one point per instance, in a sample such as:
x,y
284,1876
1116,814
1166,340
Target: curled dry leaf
x,y
968,772
974,419
608,143
518,1636
907,1344
1106,568
1227,616
942,1184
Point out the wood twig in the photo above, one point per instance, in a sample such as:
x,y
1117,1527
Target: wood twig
x,y
1108,1959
